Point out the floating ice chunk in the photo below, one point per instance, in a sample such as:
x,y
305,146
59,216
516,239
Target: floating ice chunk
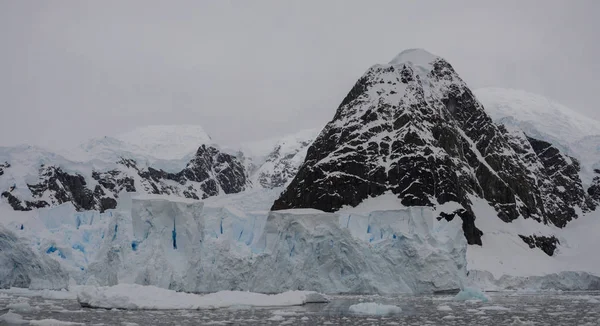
x,y
46,294
134,296
52,322
495,308
471,294
375,309
518,321
20,307
593,300
12,319
444,308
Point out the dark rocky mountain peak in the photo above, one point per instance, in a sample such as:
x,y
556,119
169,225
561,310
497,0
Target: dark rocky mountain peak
x,y
414,128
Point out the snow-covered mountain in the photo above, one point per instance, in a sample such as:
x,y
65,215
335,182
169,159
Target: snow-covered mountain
x,y
411,187
413,128
273,163
167,147
93,175
548,117
34,178
541,118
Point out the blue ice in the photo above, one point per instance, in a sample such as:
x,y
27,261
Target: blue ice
x,y
471,294
79,247
174,235
53,249
115,235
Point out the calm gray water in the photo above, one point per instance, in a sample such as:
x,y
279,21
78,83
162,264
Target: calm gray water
x,y
503,309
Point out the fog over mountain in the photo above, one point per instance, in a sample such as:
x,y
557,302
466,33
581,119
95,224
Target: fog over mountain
x,y
247,71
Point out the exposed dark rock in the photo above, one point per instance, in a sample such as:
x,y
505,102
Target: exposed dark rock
x,y
63,187
594,189
429,143
23,205
115,181
546,244
3,166
472,233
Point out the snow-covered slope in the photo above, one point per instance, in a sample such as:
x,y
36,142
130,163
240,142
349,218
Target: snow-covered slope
x,y
539,117
548,117
167,147
274,162
167,142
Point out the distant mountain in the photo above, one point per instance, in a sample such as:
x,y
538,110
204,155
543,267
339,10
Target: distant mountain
x,y
168,147
273,163
539,117
169,160
34,178
413,128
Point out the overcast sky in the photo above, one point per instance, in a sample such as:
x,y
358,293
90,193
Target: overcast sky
x,y
244,70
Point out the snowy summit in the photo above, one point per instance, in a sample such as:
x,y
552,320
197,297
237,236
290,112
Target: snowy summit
x,y
417,57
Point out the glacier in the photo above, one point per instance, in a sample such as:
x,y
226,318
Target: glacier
x,y
193,246
20,266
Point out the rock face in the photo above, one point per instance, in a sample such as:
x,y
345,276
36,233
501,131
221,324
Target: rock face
x,y
546,244
414,128
594,190
3,166
209,173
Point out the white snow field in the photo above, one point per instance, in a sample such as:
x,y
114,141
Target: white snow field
x,y
134,296
541,118
146,144
506,262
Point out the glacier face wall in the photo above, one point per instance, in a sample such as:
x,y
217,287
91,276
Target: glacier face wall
x,y
312,250
234,243
180,245
22,267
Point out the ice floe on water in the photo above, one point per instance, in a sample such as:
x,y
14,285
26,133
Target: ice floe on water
x,y
444,308
46,294
52,322
12,318
468,294
375,309
133,296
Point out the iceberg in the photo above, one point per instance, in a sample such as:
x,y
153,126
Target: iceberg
x,y
471,294
138,297
374,309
